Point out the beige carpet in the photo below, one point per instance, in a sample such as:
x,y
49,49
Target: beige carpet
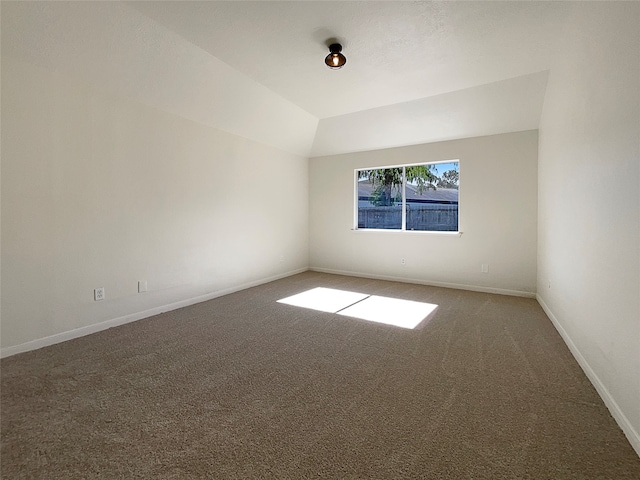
x,y
245,387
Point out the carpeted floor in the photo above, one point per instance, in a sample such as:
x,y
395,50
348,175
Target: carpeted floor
x,y
245,387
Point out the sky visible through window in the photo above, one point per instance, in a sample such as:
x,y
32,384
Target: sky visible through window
x,y
440,168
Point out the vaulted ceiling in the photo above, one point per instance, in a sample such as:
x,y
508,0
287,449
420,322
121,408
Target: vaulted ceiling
x,y
416,71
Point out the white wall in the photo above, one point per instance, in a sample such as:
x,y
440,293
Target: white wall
x,y
102,191
498,215
589,201
114,46
512,105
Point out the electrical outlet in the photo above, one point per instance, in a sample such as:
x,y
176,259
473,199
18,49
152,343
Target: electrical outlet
x,y
484,268
98,294
403,261
142,286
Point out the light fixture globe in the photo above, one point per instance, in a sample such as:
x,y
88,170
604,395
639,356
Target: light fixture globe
x,y
335,59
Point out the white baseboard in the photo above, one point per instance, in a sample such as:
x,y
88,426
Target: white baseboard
x,y
624,423
458,286
114,322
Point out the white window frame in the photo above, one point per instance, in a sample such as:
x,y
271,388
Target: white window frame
x,y
403,225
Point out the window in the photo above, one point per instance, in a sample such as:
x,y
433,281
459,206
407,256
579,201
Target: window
x,y
421,197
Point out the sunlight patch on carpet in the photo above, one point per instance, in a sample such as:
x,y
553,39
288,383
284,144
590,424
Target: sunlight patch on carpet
x,y
373,308
324,299
392,311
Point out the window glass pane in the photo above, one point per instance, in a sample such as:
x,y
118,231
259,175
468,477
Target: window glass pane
x,y
380,198
431,202
432,197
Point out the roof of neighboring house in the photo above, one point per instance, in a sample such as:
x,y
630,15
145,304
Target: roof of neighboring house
x,y
438,195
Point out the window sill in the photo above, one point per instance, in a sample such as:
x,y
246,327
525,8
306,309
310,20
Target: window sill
x,y
407,232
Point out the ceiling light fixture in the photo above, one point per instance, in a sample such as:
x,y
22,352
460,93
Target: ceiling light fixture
x,y
335,59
